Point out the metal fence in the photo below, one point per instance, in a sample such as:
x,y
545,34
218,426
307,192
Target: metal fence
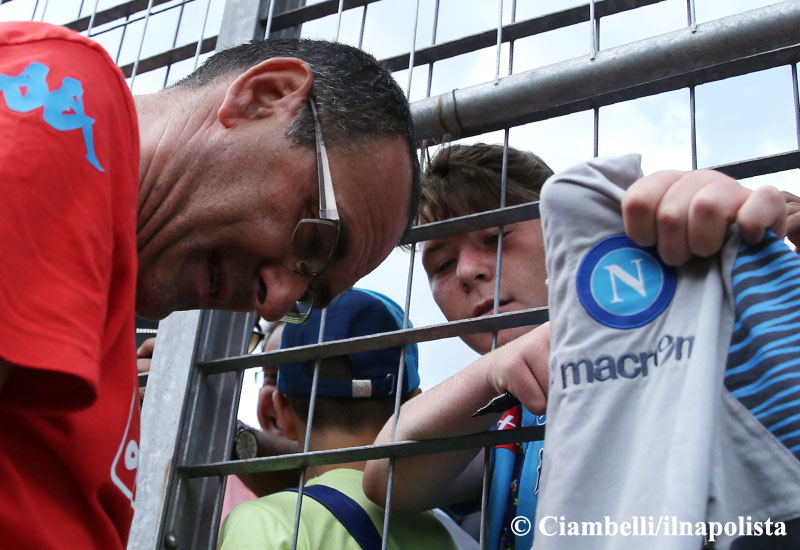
x,y
555,77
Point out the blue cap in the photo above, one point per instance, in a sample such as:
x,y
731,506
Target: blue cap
x,y
356,312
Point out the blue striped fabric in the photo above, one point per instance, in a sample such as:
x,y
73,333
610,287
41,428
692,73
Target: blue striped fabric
x,y
763,370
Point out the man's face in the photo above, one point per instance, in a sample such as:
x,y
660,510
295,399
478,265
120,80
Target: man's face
x,y
461,273
226,242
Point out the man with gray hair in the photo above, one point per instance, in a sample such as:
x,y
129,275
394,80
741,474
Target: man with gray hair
x,y
218,192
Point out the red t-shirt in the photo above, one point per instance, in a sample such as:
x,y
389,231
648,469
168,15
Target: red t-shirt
x,y
69,412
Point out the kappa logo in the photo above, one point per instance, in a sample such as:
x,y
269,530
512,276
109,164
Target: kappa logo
x,y
62,108
623,285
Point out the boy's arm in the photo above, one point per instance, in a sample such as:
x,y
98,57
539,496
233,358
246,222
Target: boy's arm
x,y
423,482
688,213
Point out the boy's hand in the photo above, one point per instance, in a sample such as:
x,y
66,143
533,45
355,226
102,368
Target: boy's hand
x,y
793,219
688,213
520,367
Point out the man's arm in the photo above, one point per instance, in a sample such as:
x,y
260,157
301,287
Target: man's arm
x,y
423,482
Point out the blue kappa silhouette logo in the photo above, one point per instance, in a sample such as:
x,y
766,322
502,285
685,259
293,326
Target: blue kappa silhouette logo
x,y
622,285
62,108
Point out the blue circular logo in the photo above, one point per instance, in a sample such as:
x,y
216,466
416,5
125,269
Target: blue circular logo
x,y
623,285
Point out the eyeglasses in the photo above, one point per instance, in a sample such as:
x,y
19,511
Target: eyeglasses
x,y
314,239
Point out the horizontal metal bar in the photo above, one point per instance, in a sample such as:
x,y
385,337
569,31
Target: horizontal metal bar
x,y
532,316
368,452
472,222
112,14
511,32
762,165
170,56
298,16
734,45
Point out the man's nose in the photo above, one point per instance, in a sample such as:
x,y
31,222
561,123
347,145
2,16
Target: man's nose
x,y
278,289
473,267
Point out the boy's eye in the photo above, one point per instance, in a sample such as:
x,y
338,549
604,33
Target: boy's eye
x,y
494,236
443,266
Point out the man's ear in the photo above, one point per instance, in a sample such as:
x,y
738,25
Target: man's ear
x,y
272,86
285,415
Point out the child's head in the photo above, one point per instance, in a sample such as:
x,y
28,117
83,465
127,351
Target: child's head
x,y
466,179
355,392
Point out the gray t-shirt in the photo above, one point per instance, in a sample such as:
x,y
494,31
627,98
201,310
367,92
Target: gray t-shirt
x,y
650,422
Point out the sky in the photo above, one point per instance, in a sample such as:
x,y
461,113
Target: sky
x,y
738,118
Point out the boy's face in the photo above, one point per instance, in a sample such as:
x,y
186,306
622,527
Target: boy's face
x,y
461,273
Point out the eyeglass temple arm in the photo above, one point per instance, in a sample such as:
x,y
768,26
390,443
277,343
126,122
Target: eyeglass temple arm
x,y
327,200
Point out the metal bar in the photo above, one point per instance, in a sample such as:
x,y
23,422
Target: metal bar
x,y
90,24
433,41
487,478
207,432
531,316
738,44
169,57
514,31
363,26
174,43
111,14
309,421
202,32
398,449
762,165
593,39
413,50
693,126
268,26
692,15
129,19
472,222
304,14
796,102
499,40
339,20
240,23
44,10
141,43
161,419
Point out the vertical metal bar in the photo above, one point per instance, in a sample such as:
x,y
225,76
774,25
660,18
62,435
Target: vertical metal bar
x,y
44,10
175,42
433,42
593,32
693,126
596,132
121,40
363,26
483,541
339,20
691,12
35,7
499,40
390,482
269,18
213,527
413,49
796,102
80,9
141,42
309,421
91,23
202,32
511,42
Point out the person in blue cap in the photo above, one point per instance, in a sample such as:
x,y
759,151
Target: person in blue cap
x,y
355,398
